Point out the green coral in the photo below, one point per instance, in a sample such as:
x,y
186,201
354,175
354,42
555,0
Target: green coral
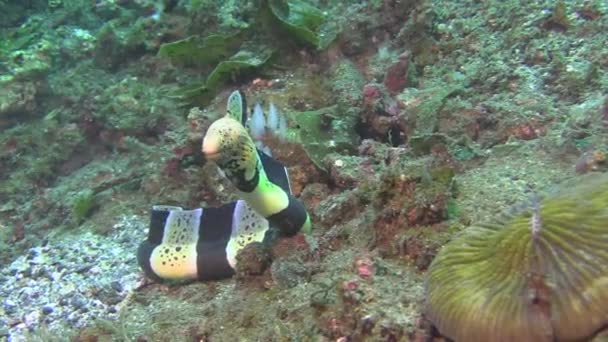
x,y
539,274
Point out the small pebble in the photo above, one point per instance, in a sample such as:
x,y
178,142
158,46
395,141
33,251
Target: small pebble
x,y
47,309
78,302
117,286
9,307
32,254
72,318
31,319
27,272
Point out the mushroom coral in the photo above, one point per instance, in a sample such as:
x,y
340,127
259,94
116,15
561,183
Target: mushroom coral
x,y
538,273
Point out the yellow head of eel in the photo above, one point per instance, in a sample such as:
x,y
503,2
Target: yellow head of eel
x,y
228,144
540,274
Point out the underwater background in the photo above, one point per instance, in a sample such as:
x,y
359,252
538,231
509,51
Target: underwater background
x,y
469,132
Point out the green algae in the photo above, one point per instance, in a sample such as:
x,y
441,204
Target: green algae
x,y
322,132
332,129
300,20
196,51
241,62
303,21
83,204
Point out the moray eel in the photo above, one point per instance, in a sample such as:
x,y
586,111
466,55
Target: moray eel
x,y
202,244
229,145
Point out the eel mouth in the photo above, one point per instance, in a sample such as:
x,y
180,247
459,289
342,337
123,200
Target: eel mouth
x,y
211,156
211,148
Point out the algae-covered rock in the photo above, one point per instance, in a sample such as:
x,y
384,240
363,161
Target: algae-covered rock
x,y
33,63
423,144
537,274
24,80
116,44
332,129
252,260
82,205
18,100
324,131
24,53
133,106
287,273
347,84
11,12
425,105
